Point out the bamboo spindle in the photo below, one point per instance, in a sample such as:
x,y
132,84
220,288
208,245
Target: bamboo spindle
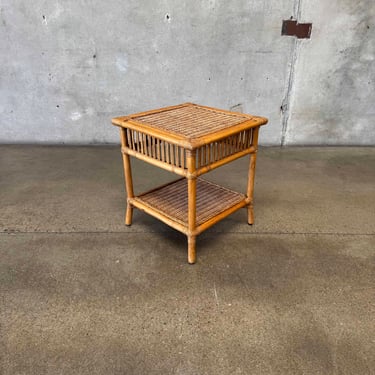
x,y
128,178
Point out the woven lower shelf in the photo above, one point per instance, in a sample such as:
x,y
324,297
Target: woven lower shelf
x,y
171,201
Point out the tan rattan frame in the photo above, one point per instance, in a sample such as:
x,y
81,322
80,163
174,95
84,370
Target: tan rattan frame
x,y
189,140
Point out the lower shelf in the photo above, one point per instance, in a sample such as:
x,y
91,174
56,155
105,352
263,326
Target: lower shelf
x,y
170,201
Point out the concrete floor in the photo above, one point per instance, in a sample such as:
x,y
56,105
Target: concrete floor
x,y
80,293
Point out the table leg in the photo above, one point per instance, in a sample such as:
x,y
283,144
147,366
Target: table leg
x,y
128,178
192,257
250,181
192,197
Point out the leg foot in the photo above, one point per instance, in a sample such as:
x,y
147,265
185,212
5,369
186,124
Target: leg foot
x,y
250,214
129,215
191,249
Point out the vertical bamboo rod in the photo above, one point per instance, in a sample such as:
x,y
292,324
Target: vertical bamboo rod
x,y
153,140
128,137
245,138
132,143
162,147
148,145
192,196
144,138
172,154
182,158
140,141
158,149
167,152
128,178
251,135
177,154
250,181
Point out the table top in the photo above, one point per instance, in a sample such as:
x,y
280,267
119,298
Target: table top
x,y
189,125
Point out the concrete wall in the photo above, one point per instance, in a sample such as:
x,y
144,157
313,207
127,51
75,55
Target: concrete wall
x,y
333,96
68,66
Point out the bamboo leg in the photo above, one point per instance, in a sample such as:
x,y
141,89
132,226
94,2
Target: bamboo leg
x,y
192,196
250,181
192,257
128,179
250,189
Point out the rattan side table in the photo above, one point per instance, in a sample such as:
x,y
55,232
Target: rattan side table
x,y
189,140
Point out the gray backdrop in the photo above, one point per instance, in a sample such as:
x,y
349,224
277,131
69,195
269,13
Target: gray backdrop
x,y
68,66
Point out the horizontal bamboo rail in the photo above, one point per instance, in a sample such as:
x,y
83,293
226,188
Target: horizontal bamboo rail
x,y
157,163
158,215
189,125
219,217
184,228
221,162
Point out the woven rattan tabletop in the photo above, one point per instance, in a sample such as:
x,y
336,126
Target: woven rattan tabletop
x,y
189,125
